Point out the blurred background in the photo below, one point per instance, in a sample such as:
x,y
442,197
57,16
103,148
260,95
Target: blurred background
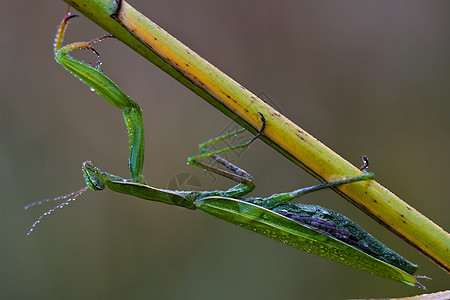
x,y
364,77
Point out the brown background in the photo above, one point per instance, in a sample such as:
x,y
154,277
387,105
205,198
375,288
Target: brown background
x,y
364,77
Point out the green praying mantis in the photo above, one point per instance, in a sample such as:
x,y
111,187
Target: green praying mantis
x,y
310,228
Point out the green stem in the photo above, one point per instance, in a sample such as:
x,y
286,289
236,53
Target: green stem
x,y
238,103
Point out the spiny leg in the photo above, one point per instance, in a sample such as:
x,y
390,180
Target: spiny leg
x,y
62,30
238,174
106,88
204,146
74,46
235,173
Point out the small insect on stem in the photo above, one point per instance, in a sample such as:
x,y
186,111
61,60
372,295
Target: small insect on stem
x,y
70,198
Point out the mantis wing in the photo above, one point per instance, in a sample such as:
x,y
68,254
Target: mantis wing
x,y
300,236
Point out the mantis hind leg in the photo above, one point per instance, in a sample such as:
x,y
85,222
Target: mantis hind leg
x,y
275,200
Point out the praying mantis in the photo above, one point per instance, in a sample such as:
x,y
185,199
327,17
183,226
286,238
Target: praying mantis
x,y
310,228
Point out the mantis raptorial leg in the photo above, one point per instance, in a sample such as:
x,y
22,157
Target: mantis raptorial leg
x,y
106,88
311,228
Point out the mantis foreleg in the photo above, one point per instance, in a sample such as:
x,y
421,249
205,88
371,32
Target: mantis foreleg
x,y
103,86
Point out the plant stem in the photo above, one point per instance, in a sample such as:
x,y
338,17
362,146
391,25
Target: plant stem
x,y
238,103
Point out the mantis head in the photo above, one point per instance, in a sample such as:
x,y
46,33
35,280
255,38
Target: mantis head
x,y
93,176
